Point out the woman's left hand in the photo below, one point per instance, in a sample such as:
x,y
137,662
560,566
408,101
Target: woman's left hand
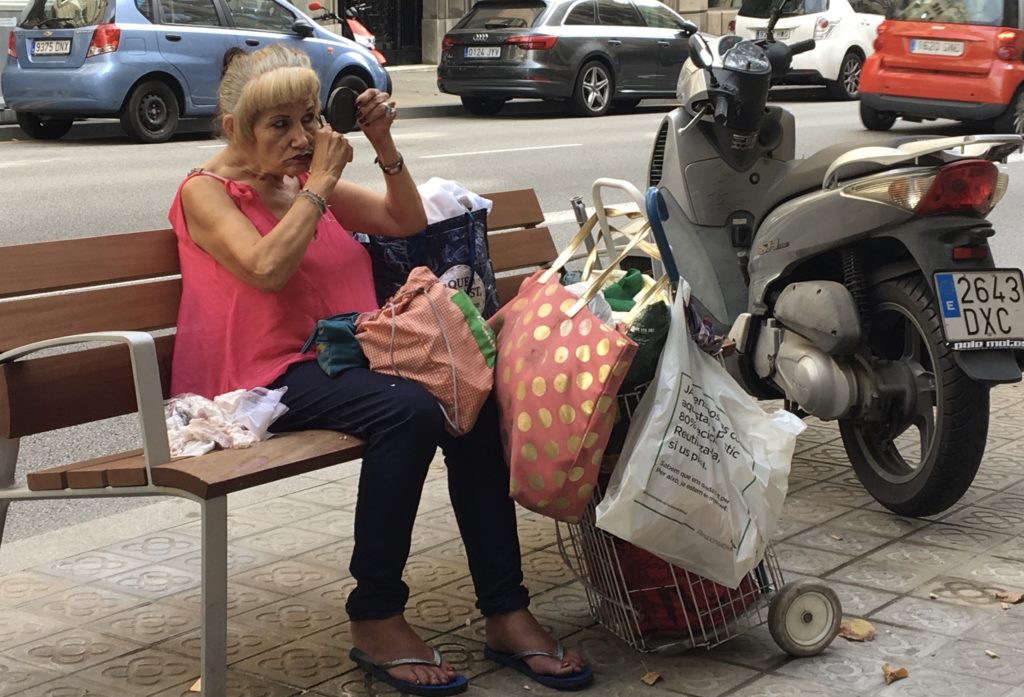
x,y
375,112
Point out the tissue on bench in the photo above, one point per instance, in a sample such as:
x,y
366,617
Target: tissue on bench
x,y
196,425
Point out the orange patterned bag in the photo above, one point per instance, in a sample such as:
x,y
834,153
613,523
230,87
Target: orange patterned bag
x,y
558,371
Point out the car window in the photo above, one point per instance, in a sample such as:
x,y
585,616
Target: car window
x,y
871,7
505,15
64,14
658,16
265,15
997,13
198,12
763,8
583,13
145,7
618,13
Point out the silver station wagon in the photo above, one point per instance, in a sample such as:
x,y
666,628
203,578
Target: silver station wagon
x,y
593,54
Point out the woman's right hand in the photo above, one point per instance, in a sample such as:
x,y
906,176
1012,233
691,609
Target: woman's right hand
x,y
331,152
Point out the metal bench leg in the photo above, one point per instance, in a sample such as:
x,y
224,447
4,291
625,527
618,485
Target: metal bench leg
x,y
8,459
215,597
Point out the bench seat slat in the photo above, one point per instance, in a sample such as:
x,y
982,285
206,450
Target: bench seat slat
x,y
521,249
56,478
223,472
514,209
46,266
142,307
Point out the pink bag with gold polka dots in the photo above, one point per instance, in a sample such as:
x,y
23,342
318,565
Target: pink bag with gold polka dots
x,y
559,368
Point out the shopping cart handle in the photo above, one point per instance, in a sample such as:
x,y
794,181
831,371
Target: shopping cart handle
x,y
657,213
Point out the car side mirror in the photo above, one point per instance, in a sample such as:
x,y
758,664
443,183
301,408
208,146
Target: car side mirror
x,y
700,52
303,28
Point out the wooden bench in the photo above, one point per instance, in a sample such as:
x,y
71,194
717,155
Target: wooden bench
x,y
122,291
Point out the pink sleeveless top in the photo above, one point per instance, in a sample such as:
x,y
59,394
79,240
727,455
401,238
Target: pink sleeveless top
x,y
231,335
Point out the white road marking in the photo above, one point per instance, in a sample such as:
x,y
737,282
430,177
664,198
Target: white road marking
x,y
1015,157
424,135
494,152
22,163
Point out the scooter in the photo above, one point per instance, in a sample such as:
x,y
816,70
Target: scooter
x,y
351,27
857,284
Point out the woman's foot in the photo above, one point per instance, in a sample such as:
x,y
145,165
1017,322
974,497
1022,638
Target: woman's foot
x,y
393,638
520,631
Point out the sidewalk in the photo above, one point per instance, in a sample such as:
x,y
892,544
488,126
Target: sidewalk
x,y
110,609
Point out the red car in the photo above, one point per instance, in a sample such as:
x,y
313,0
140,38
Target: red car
x,y
950,60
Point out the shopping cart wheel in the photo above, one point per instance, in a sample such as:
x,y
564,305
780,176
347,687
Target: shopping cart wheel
x,y
804,617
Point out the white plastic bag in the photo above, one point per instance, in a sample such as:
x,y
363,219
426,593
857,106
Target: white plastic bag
x,y
703,472
445,198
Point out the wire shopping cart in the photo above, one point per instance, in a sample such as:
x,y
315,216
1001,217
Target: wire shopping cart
x,y
655,606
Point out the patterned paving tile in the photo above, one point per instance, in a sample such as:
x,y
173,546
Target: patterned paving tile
x,y
545,568
957,537
423,574
157,547
71,651
898,644
82,605
294,618
835,539
837,669
288,541
239,526
91,566
25,586
476,630
18,627
336,522
300,663
924,556
241,599
782,686
285,510
240,560
878,523
66,686
1006,628
858,600
1006,572
934,683
959,591
330,495
1012,548
605,653
808,510
695,674
334,556
440,613
143,673
931,616
16,676
807,561
149,624
566,604
334,594
820,462
240,685
968,657
151,582
357,684
244,641
988,519
754,648
1002,501
288,576
833,491
535,531
787,528
883,575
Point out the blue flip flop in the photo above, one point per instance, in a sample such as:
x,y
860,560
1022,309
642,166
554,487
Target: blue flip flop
x,y
517,661
457,685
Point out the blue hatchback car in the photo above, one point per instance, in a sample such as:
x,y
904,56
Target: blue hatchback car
x,y
151,62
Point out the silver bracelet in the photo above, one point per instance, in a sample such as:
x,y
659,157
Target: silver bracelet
x,y
316,199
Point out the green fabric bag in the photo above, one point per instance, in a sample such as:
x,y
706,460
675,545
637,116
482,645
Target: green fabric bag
x,y
337,349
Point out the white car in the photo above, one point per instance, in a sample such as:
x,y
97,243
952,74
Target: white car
x,y
843,29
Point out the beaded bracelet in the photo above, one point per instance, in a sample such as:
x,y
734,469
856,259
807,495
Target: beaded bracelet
x,y
316,199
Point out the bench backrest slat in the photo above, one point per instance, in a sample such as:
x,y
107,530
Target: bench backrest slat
x,y
46,266
143,306
42,394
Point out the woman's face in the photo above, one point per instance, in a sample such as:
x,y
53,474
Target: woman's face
x,y
283,139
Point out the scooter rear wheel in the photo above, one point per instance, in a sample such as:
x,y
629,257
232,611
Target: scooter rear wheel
x,y
920,456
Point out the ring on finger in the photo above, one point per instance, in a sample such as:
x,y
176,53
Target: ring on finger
x,y
389,110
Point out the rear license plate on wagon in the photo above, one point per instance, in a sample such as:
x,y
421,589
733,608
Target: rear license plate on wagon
x,y
483,52
779,34
982,309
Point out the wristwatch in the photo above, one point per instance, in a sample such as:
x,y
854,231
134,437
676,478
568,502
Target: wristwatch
x,y
392,169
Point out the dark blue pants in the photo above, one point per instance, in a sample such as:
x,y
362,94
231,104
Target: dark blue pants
x,y
403,427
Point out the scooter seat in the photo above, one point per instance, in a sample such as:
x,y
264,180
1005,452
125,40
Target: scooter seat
x,y
804,176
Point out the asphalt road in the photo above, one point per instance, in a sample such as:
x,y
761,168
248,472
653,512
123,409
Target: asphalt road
x,y
96,181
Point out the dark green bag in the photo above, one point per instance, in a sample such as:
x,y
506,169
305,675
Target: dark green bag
x,y
337,349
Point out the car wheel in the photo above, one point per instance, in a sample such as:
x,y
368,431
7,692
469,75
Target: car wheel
x,y
43,127
151,113
848,85
483,106
594,89
1012,120
353,82
875,120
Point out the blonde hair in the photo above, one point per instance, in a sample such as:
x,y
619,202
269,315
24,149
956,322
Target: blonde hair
x,y
253,83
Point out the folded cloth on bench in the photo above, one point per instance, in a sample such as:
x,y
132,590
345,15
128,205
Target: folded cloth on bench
x,y
196,425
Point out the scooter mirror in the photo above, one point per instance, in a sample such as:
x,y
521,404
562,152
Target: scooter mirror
x,y
315,7
689,28
700,52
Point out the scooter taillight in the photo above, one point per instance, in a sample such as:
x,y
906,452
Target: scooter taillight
x,y
12,49
967,186
974,186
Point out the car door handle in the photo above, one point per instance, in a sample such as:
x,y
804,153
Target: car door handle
x,y
663,43
252,42
614,42
172,37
